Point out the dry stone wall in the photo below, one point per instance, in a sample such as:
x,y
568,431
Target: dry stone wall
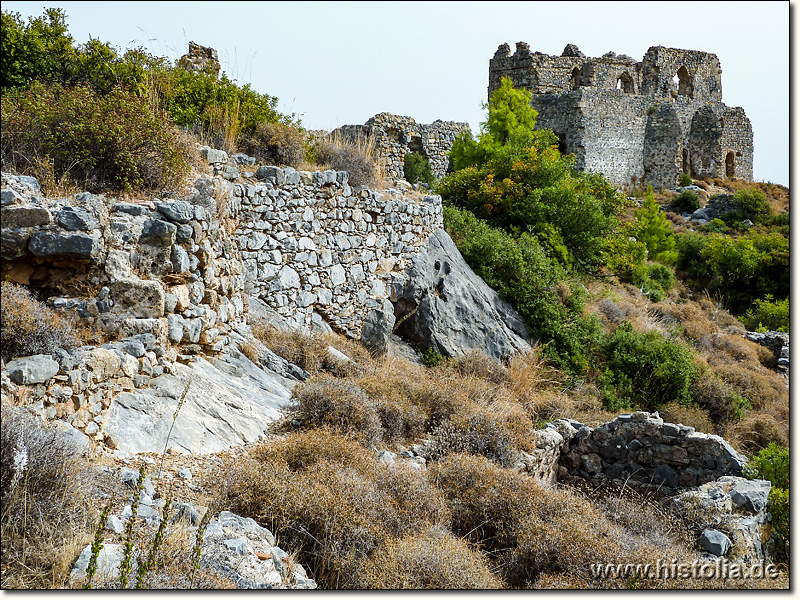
x,y
634,122
313,248
640,449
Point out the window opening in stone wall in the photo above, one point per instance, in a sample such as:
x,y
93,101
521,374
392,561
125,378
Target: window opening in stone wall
x,y
684,82
625,83
730,165
562,143
687,166
575,79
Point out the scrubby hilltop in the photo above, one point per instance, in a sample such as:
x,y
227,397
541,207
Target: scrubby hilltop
x,y
237,355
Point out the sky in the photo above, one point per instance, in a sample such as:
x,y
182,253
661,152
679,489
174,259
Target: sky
x,y
339,63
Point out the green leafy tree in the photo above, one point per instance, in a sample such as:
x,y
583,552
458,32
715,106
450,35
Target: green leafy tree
x,y
653,230
510,123
33,50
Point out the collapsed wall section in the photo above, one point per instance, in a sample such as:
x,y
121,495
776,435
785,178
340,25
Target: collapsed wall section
x,y
395,136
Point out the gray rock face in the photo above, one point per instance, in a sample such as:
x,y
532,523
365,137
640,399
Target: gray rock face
x,y
47,244
715,542
177,211
108,563
74,218
158,233
377,329
13,242
229,402
264,173
32,369
751,495
140,298
26,215
452,310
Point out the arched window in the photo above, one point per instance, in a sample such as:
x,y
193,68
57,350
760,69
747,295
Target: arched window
x,y
625,83
730,165
684,82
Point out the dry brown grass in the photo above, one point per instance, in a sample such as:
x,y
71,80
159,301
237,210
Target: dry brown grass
x,y
45,518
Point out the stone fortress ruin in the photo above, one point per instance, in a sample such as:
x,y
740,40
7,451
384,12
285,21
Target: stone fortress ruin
x,y
395,136
635,122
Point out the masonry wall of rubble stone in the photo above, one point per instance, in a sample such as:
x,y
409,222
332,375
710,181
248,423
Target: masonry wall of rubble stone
x,y
640,449
394,136
314,249
634,122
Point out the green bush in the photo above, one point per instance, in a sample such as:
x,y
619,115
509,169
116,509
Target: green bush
x,y
715,226
109,141
645,370
739,269
685,180
417,168
653,279
686,202
752,204
768,314
515,178
523,275
772,464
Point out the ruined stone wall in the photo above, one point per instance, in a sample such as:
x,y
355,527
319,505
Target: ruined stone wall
x,y
313,248
394,136
635,123
613,135
643,451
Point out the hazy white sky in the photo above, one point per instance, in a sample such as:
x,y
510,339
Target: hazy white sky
x,y
337,63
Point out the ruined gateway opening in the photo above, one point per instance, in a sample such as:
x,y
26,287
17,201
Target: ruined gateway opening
x,y
730,165
625,83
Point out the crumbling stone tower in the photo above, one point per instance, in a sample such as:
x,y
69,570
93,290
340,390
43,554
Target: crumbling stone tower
x,y
634,122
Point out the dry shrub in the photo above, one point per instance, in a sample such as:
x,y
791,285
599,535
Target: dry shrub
x,y
310,351
276,143
478,432
354,155
45,521
757,430
531,530
29,326
715,397
303,450
759,386
327,401
334,512
477,364
307,351
692,416
433,560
